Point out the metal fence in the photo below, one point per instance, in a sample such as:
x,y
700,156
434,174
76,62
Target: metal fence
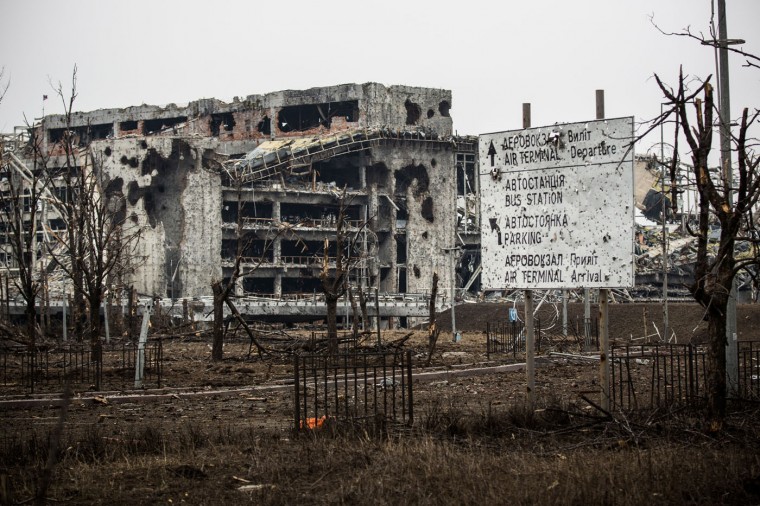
x,y
655,375
749,370
112,367
508,337
371,390
505,338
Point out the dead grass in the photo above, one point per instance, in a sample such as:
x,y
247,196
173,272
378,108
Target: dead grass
x,y
491,455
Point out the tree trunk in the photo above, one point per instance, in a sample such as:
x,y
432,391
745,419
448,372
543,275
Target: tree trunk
x,y
96,347
217,349
432,327
354,313
332,323
716,360
31,323
363,306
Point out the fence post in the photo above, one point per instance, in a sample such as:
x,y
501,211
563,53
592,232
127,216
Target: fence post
x,y
409,383
488,340
160,359
529,346
297,383
604,349
140,358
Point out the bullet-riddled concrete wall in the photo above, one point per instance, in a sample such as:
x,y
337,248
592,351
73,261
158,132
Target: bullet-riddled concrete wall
x,y
423,180
175,197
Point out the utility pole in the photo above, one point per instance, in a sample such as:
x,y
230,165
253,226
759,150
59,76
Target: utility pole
x,y
664,209
732,357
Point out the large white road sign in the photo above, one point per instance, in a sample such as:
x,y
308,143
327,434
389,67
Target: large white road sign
x,y
557,206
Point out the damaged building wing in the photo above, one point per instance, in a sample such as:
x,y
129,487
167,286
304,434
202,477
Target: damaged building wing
x,y
189,174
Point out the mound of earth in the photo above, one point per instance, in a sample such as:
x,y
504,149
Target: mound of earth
x,y
627,320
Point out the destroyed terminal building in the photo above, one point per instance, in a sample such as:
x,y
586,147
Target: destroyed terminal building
x,y
190,174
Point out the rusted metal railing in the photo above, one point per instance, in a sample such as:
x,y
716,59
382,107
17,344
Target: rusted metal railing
x,y
111,366
657,375
371,390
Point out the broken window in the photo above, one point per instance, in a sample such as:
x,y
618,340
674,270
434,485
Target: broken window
x,y
259,286
465,173
301,284
253,249
402,216
257,249
316,215
248,210
265,126
229,212
378,174
339,172
401,249
256,209
125,126
102,131
82,135
221,122
298,118
384,272
402,284
154,126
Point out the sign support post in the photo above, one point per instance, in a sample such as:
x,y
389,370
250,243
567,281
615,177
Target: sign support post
x,y
604,336
530,338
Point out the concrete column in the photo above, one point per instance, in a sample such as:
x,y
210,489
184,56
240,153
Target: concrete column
x,y
363,175
276,210
278,284
373,206
116,131
272,122
277,252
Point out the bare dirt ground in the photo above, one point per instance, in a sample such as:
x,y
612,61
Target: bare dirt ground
x,y
222,433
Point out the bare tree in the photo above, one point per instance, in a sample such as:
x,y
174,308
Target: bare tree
x,y
21,201
74,186
98,240
335,280
731,201
3,87
223,290
102,243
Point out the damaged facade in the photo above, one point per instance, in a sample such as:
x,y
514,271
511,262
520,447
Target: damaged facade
x,y
190,174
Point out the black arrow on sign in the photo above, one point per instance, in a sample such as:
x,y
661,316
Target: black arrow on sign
x,y
492,153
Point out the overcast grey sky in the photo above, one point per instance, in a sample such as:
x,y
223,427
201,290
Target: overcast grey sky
x,y
492,55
